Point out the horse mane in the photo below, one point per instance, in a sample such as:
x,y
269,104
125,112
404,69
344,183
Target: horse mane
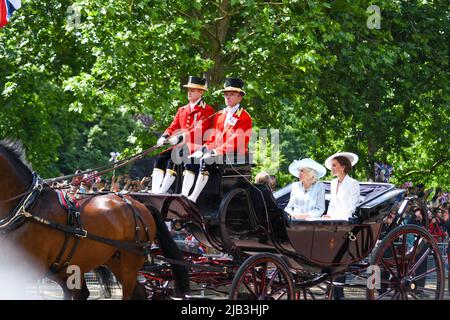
x,y
15,150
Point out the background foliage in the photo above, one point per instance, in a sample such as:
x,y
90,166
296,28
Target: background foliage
x,y
313,70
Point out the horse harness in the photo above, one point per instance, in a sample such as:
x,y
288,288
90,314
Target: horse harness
x,y
74,226
17,217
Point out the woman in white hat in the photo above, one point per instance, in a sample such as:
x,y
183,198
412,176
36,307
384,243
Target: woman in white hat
x,y
307,199
344,196
344,193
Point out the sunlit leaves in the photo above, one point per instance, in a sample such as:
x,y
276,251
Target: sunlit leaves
x,y
312,69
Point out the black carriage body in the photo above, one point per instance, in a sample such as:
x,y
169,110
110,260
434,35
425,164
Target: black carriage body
x,y
202,219
242,219
319,246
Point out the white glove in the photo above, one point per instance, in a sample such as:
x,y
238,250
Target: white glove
x,y
161,141
196,154
209,155
206,155
175,139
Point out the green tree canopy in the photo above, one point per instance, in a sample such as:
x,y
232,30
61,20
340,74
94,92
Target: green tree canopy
x,y
312,69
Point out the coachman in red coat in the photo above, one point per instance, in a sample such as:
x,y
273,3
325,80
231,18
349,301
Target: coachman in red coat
x,y
185,134
229,137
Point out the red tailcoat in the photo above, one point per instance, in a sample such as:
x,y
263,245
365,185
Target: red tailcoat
x,y
193,123
231,137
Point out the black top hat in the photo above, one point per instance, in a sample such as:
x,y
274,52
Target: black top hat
x,y
234,84
196,83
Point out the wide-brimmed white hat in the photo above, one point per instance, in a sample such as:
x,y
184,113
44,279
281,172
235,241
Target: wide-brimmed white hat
x,y
353,158
296,165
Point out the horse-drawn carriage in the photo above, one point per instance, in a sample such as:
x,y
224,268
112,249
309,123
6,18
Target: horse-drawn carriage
x,y
269,256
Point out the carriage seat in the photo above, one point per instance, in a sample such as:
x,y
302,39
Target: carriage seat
x,y
369,193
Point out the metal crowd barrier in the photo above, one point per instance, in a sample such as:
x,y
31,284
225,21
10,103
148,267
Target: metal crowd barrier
x,y
47,289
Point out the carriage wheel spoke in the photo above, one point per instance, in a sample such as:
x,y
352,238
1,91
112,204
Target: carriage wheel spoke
x,y
413,296
263,279
281,286
419,262
272,278
394,254
414,252
403,253
255,283
270,283
305,297
426,289
385,294
246,284
384,263
424,274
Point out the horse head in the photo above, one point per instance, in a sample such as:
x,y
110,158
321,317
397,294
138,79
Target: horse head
x,y
15,175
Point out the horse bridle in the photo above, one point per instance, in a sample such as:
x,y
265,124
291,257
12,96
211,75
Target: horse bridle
x,y
20,211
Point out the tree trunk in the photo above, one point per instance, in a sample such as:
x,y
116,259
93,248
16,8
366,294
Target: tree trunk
x,y
216,39
374,134
371,151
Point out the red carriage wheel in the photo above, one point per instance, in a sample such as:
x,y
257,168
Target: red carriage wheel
x,y
158,282
157,289
263,277
410,265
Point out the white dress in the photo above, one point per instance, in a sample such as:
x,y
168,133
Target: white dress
x,y
311,201
343,202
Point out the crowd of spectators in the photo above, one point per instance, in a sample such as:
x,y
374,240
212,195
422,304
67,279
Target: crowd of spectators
x,y
438,215
437,204
92,184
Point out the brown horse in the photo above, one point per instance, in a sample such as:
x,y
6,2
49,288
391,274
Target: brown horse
x,y
107,216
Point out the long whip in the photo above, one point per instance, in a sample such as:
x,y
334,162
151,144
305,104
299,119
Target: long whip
x,y
121,163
